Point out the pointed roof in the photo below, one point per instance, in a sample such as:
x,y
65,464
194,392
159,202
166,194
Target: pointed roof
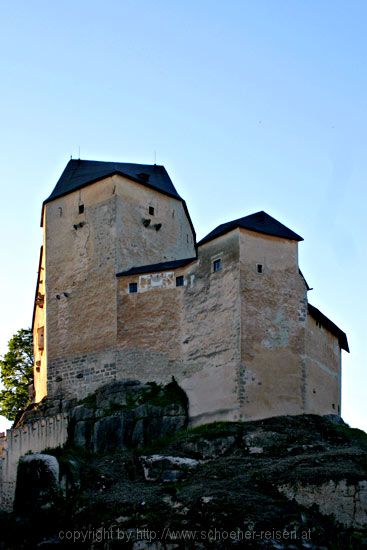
x,y
79,173
260,222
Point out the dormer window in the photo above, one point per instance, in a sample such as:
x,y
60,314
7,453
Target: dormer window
x,y
217,265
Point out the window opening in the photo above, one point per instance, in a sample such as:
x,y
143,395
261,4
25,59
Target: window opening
x,y
133,287
217,265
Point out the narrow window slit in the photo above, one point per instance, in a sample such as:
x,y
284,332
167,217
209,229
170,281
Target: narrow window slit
x,y
217,265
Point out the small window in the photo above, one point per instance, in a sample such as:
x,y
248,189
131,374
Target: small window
x,y
41,338
180,280
133,287
259,268
217,265
81,208
151,210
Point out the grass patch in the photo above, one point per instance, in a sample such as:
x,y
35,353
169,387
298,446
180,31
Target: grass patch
x,y
214,430
158,395
352,435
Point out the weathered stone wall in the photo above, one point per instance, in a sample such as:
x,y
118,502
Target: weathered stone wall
x,y
83,252
36,436
167,237
39,334
211,332
80,276
78,375
189,332
323,370
343,500
273,315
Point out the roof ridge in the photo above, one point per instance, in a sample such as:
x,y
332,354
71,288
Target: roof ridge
x,y
258,222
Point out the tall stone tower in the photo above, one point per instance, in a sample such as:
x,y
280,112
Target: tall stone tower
x,y
101,218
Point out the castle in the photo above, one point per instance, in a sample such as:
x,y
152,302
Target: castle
x,y
125,292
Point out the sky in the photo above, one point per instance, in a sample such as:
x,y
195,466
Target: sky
x,y
250,105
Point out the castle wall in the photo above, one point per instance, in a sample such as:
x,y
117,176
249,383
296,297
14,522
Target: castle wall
x,y
273,314
80,276
211,333
323,370
139,245
189,332
37,436
83,252
39,334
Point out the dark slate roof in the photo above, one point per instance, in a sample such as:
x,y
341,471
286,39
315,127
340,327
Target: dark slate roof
x,y
154,268
79,173
260,222
330,326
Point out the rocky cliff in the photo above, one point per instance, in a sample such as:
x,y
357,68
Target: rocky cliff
x,y
134,475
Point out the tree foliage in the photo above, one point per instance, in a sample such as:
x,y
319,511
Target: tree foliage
x,y
16,373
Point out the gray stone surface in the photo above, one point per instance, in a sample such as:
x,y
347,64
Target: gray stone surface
x,y
37,487
167,468
116,418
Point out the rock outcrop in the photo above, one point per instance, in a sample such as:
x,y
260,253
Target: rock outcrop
x,y
134,476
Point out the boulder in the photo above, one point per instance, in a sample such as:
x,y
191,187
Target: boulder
x,y
37,486
167,468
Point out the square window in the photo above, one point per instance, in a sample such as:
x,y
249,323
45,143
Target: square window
x,y
217,265
151,210
180,280
133,287
259,268
81,208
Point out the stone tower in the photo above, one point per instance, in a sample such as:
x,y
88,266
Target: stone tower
x,y
100,219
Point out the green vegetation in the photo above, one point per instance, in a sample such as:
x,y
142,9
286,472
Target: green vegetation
x,y
160,396
215,430
16,374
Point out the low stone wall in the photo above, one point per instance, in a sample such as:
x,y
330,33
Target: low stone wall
x,y
346,502
32,437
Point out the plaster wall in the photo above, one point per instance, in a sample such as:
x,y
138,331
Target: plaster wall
x,y
211,332
139,245
323,370
83,252
189,332
273,314
39,335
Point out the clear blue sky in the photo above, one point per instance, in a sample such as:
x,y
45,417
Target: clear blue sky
x,y
250,105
